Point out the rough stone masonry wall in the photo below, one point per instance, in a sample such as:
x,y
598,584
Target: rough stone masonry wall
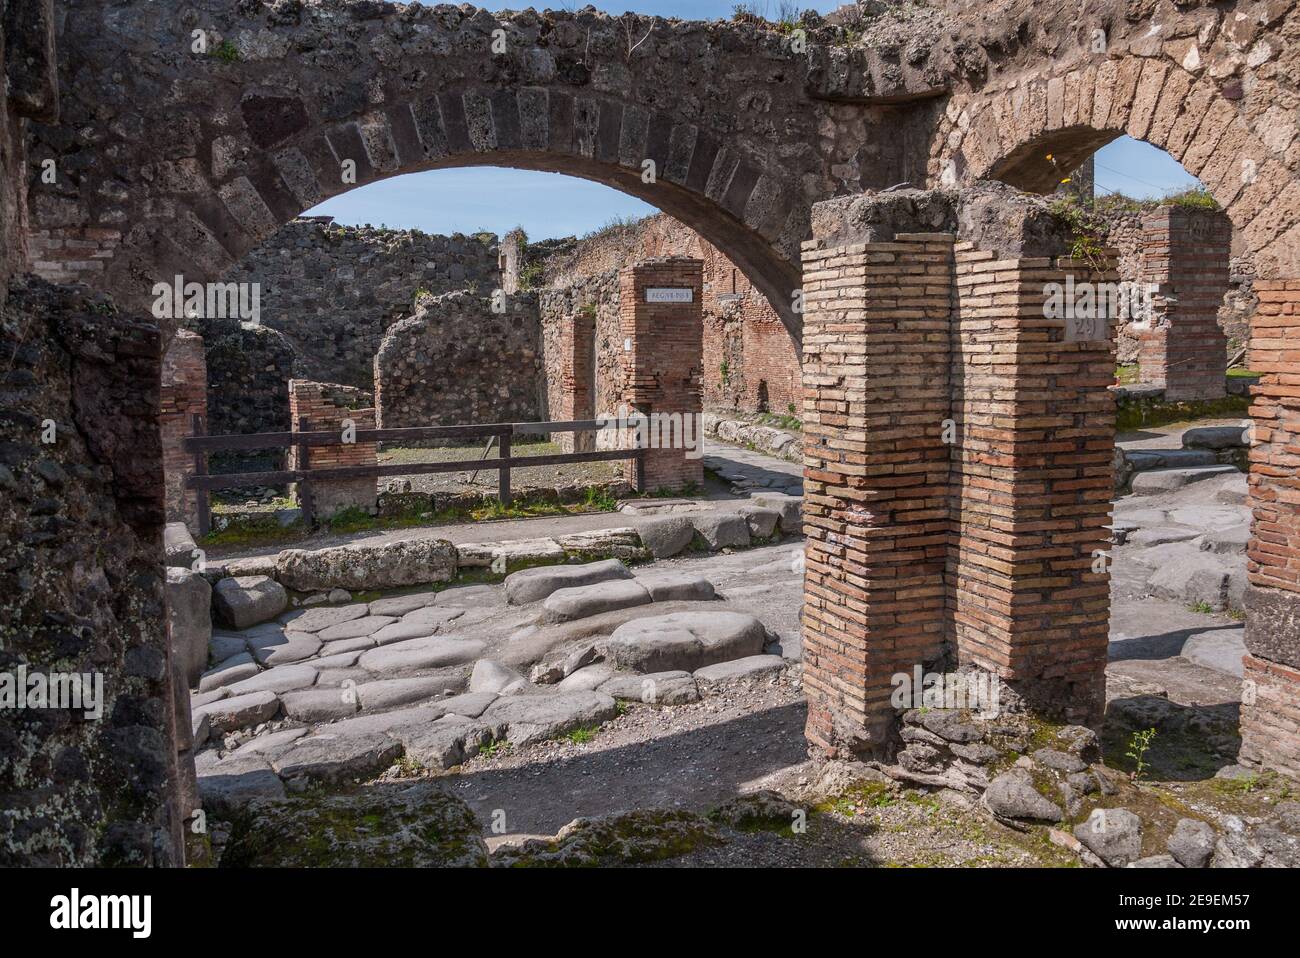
x,y
334,290
751,363
326,407
456,361
248,368
82,584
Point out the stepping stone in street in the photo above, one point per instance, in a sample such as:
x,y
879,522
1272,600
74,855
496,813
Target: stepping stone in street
x,y
399,605
789,506
287,678
670,586
750,667
565,605
535,718
1217,437
666,536
659,688
233,782
232,670
427,653
721,530
356,628
240,711
319,705
389,693
247,600
1167,480
533,585
685,641
317,620
762,521
284,648
336,759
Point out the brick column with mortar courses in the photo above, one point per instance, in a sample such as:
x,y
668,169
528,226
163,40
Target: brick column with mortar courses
x,y
183,394
574,391
326,406
663,346
875,383
1186,253
1032,484
1270,709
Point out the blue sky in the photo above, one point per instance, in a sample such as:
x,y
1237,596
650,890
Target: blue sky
x,y
550,205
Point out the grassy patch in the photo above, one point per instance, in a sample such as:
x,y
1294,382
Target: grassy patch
x,y
581,735
1132,416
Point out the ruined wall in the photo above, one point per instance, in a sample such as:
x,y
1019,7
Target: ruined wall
x,y
82,584
750,360
596,296
456,361
334,290
248,369
326,407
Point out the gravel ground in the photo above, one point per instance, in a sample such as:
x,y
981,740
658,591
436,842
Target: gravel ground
x,y
521,479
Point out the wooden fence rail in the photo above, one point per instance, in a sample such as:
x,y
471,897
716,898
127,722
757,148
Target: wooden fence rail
x,y
304,440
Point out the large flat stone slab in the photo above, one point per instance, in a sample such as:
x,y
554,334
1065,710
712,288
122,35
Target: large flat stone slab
x,y
319,705
284,648
232,670
240,711
363,568
666,536
333,758
367,625
684,641
673,586
624,543
1168,480
403,632
535,718
490,676
317,620
446,742
390,693
534,585
513,553
399,605
565,605
233,782
286,678
721,530
659,688
427,653
737,670
247,600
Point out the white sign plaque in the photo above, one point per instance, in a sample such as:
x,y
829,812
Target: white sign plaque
x,y
669,294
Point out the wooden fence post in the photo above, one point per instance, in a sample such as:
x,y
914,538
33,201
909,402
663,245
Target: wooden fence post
x,y
503,474
202,497
304,484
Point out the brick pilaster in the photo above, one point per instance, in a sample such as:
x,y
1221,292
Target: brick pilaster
x,y
183,394
875,372
662,353
1032,484
1185,254
1270,712
573,390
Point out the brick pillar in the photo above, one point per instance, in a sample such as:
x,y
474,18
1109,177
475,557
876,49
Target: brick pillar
x,y
574,393
662,326
875,387
1032,484
183,394
1270,710
1185,253
326,406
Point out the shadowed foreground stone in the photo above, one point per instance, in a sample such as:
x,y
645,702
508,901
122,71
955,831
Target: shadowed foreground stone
x,y
419,826
533,585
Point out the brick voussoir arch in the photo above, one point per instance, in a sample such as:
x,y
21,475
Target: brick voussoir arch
x,y
700,178
1032,132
